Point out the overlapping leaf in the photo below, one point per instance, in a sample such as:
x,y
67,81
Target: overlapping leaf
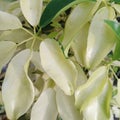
x,y
17,89
8,21
91,88
101,38
32,10
7,50
45,108
60,69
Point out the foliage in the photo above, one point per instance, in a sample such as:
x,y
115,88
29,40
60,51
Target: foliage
x,y
62,59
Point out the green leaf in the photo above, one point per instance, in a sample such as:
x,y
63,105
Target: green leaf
x,y
7,50
115,1
91,88
115,26
45,108
101,41
66,107
60,69
17,88
9,21
99,108
32,10
59,6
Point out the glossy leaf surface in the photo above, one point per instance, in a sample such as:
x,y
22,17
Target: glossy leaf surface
x,y
8,21
45,108
7,50
101,41
66,107
60,69
59,5
91,88
99,108
32,10
17,89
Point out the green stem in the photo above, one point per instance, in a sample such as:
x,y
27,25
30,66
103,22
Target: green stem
x,y
27,31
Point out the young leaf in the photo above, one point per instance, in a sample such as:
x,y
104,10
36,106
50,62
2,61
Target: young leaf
x,y
115,26
17,89
66,107
101,41
99,108
32,10
45,108
9,21
58,5
92,87
7,50
60,69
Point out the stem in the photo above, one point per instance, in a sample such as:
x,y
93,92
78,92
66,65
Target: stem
x,y
25,41
27,31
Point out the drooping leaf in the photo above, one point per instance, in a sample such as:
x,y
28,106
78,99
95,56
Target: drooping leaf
x,y
59,6
101,41
32,10
45,108
66,107
91,88
115,26
7,50
79,44
9,21
60,69
99,108
17,89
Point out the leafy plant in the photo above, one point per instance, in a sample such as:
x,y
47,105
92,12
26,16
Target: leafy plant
x,y
62,59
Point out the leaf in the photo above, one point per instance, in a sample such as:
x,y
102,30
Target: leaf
x,y
17,89
17,35
79,44
45,108
91,88
115,26
32,10
66,107
101,41
7,50
59,6
116,7
99,108
8,21
60,69
79,17
115,1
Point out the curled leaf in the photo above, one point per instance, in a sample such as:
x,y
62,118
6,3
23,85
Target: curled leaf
x,y
17,89
60,69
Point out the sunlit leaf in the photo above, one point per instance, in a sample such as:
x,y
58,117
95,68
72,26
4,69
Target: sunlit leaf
x,y
79,17
17,89
9,21
66,107
7,50
99,108
79,44
60,69
59,6
32,10
45,108
101,41
92,87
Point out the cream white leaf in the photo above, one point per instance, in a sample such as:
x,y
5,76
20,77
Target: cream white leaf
x,y
7,50
92,87
101,41
60,69
9,21
17,89
99,108
66,107
32,10
45,108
